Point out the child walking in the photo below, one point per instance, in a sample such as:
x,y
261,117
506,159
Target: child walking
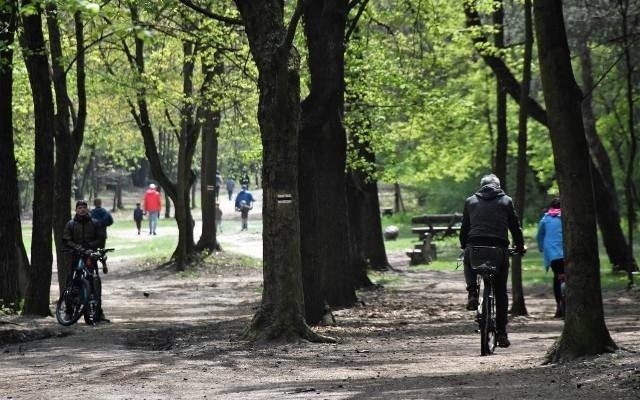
x,y
138,216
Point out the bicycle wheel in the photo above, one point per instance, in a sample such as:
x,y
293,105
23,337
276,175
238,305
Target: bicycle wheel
x,y
488,323
71,304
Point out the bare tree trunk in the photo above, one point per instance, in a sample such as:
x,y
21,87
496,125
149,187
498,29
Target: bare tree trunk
x,y
615,243
209,161
518,306
281,313
584,330
502,140
9,203
327,276
34,50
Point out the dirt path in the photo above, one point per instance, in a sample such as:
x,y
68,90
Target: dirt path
x,y
175,336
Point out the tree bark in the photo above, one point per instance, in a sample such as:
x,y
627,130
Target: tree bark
x,y
584,330
281,313
209,164
39,272
502,139
608,207
322,186
9,202
518,306
68,138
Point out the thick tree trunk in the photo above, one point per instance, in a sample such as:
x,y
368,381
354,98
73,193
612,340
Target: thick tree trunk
x,y
9,203
68,139
322,188
34,50
518,306
607,206
209,161
281,313
584,330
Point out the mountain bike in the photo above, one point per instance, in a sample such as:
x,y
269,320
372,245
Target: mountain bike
x,y
81,296
485,260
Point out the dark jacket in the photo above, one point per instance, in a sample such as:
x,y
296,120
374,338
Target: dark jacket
x,y
487,216
83,233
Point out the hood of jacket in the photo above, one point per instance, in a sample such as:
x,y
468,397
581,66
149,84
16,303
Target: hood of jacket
x,y
554,212
489,192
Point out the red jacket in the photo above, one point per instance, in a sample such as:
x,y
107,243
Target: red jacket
x,y
152,200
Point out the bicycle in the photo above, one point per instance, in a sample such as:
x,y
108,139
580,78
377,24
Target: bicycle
x,y
484,260
81,297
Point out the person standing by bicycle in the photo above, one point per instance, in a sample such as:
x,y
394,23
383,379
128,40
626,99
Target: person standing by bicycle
x,y
549,239
486,218
84,235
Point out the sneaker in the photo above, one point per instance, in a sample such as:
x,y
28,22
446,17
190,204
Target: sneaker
x,y
502,339
472,301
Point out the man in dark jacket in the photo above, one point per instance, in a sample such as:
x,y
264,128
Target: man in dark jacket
x,y
487,216
84,235
103,216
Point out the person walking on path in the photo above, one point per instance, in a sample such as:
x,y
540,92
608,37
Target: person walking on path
x,y
244,179
486,218
138,215
244,203
549,239
152,206
104,219
218,184
230,185
218,218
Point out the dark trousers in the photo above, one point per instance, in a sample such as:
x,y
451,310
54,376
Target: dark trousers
x,y
557,266
500,288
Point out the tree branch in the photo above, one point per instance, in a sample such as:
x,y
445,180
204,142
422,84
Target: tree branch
x,y
293,25
211,15
354,23
499,68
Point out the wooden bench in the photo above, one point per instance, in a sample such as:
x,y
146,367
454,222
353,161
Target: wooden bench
x,y
431,226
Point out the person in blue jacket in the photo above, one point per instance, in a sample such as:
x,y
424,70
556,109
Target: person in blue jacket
x,y
550,244
244,203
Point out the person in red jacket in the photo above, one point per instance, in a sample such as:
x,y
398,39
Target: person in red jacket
x,y
152,206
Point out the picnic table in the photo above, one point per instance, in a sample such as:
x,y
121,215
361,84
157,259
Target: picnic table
x,y
428,227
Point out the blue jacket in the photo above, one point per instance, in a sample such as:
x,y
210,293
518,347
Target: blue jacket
x,y
245,196
550,237
102,216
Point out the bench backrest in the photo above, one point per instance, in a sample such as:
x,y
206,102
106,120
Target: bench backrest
x,y
445,220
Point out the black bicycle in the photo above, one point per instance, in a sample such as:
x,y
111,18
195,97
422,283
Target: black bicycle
x,y
485,261
81,297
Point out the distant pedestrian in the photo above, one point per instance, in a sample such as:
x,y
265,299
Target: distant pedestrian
x,y
244,179
244,203
550,243
152,206
138,215
218,184
218,218
230,185
104,219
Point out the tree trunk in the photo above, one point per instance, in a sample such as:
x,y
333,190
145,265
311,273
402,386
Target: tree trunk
x,y
607,206
9,203
502,140
518,306
68,139
281,313
209,160
322,187
34,50
631,126
584,330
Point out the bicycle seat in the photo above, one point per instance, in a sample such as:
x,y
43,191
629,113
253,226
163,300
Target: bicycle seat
x,y
485,268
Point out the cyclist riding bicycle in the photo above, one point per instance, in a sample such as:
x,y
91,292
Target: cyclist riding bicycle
x,y
83,235
487,216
